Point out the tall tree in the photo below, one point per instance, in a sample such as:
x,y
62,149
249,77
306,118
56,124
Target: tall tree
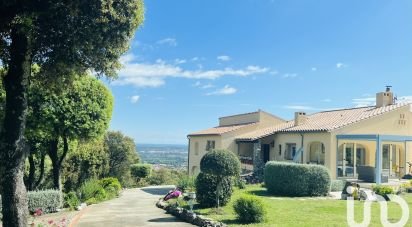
x,y
122,154
80,111
60,36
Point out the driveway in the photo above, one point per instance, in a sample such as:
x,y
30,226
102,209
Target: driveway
x,y
135,207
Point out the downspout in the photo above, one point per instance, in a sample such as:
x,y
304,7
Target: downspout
x,y
301,145
188,156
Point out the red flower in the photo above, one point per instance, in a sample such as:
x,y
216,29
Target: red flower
x,y
38,212
50,222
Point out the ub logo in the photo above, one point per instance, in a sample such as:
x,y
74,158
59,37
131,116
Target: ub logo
x,y
383,214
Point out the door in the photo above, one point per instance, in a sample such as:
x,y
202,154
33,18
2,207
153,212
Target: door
x,y
386,159
346,160
349,163
266,152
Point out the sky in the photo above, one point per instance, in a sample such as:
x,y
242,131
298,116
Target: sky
x,y
194,61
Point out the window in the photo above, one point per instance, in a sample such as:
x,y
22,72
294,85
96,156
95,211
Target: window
x,y
290,151
317,153
196,148
210,145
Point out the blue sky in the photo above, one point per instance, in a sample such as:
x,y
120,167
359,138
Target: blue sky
x,y
194,61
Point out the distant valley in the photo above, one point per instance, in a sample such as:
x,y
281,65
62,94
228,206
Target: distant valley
x,y
167,155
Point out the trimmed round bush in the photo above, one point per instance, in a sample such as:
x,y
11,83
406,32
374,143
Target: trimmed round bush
x,y
290,179
206,189
249,209
141,171
220,162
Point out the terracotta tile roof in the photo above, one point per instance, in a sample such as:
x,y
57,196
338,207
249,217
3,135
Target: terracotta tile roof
x,y
219,130
324,121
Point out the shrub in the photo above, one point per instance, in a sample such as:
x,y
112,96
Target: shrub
x,y
92,189
249,209
239,182
140,171
111,185
289,179
48,200
382,190
71,201
220,162
91,201
186,183
206,188
337,185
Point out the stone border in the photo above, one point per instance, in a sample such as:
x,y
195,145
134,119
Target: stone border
x,y
188,216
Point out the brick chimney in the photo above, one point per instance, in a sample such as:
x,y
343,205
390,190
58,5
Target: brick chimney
x,y
385,98
300,118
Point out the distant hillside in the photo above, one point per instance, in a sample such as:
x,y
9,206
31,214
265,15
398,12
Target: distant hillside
x,y
169,155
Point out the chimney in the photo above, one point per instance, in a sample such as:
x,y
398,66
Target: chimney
x,y
300,118
385,98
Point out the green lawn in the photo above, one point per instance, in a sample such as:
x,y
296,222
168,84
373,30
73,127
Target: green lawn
x,y
283,211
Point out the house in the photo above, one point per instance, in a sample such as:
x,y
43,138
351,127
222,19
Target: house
x,y
373,144
224,136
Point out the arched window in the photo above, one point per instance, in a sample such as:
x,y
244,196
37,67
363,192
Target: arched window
x,y
317,153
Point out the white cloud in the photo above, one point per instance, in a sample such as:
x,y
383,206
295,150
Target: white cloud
x,y
314,69
207,86
134,99
327,100
226,90
362,102
290,75
340,65
195,59
274,72
223,58
167,41
154,74
299,107
180,61
405,98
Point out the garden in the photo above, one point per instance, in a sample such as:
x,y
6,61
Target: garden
x,y
291,195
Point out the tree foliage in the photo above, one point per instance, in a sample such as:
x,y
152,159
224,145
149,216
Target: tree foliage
x,y
221,163
122,154
140,171
61,37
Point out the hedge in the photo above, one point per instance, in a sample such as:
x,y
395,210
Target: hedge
x,y
206,188
337,185
48,200
290,179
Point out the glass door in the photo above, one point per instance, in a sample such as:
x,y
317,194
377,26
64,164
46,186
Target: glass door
x,y
349,162
386,160
346,160
395,162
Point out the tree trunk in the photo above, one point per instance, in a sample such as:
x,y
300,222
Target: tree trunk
x,y
40,180
32,171
54,157
13,152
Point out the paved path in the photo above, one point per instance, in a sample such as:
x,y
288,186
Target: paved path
x,y
136,207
